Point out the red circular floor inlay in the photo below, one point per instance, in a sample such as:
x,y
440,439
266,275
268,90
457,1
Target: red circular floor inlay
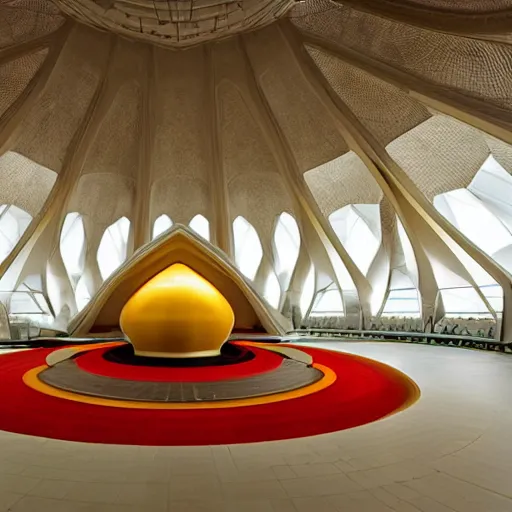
x,y
364,391
94,362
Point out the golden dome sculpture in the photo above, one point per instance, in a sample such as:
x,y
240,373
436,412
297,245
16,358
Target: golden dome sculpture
x,y
177,313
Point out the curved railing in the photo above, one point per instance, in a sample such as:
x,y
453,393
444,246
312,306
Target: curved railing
x,y
424,338
452,340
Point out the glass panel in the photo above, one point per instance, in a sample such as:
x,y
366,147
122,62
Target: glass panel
x,y
408,251
308,291
201,226
112,248
72,246
475,221
13,223
358,229
23,304
404,302
328,303
26,308
41,302
494,294
82,295
248,251
464,302
287,244
272,290
162,224
492,184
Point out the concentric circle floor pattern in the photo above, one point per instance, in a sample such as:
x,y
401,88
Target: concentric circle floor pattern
x,y
449,452
335,392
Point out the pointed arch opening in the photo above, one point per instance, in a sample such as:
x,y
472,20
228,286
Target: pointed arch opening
x,y
358,228
403,298
248,249
286,246
201,226
161,225
113,246
73,246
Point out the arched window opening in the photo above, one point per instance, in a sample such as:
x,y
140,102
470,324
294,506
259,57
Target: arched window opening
x,y
72,246
328,302
162,224
287,245
13,223
248,250
82,295
272,291
308,290
201,226
358,229
112,248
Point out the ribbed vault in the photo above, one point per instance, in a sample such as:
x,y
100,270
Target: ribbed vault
x,y
350,117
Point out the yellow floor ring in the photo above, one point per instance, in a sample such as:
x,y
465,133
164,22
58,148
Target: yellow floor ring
x,y
32,380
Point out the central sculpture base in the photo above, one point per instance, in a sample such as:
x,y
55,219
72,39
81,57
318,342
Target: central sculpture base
x,y
177,314
177,355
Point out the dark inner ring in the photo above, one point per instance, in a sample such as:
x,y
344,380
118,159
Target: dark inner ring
x,y
230,354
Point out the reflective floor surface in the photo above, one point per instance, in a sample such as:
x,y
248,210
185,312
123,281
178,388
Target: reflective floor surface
x,y
451,451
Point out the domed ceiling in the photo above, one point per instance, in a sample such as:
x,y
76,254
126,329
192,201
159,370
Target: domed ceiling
x,y
352,158
176,23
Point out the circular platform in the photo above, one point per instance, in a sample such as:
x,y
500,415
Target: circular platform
x,y
88,395
121,364
290,375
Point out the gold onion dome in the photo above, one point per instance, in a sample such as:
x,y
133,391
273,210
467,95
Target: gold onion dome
x,y
178,314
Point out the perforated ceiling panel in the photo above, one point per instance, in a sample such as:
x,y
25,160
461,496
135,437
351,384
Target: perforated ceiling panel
x,y
475,68
24,20
15,75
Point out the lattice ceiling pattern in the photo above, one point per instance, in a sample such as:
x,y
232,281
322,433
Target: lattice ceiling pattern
x,y
178,23
357,118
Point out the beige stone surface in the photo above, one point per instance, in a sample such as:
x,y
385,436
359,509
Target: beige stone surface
x,y
445,453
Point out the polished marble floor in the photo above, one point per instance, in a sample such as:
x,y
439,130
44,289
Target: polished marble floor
x,y
451,451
